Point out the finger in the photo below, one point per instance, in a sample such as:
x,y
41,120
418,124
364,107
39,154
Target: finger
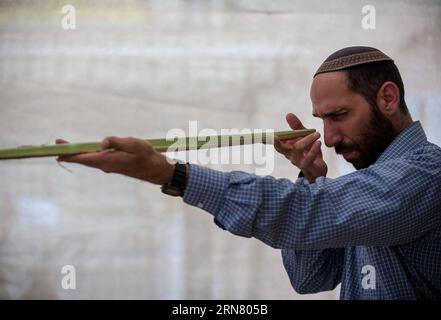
x,y
307,141
281,147
311,155
320,154
129,145
107,161
294,122
60,141
88,159
93,159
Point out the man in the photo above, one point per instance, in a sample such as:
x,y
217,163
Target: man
x,y
377,231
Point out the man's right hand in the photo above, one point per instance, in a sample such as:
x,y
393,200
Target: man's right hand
x,y
305,153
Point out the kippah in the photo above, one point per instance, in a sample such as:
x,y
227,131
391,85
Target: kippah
x,y
350,57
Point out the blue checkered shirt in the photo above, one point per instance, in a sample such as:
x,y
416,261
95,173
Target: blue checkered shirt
x,y
377,231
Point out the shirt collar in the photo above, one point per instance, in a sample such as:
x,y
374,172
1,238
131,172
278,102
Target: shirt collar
x,y
409,139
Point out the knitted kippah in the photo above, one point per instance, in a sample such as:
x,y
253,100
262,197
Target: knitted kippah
x,y
350,57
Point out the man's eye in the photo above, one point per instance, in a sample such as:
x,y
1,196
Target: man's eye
x,y
338,116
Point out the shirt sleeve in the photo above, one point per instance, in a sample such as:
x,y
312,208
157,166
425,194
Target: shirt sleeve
x,y
312,271
389,203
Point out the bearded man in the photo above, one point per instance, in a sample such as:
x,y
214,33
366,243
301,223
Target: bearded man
x,y
377,230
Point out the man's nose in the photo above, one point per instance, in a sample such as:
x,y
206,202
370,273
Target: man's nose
x,y
332,135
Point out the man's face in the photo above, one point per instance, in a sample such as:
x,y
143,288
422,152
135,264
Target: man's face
x,y
350,124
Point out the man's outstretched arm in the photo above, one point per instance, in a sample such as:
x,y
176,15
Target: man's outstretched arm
x,y
379,205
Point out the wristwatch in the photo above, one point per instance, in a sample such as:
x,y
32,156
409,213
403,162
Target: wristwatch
x,y
176,186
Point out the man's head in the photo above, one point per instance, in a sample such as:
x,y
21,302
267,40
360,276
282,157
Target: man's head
x,y
359,94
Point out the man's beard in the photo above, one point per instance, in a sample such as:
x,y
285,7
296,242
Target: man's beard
x,y
378,135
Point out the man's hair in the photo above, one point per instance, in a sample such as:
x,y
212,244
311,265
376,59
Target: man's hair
x,y
367,80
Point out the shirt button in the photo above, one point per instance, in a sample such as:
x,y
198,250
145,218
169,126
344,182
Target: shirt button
x,y
200,205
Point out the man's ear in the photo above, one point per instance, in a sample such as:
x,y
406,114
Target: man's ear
x,y
388,98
